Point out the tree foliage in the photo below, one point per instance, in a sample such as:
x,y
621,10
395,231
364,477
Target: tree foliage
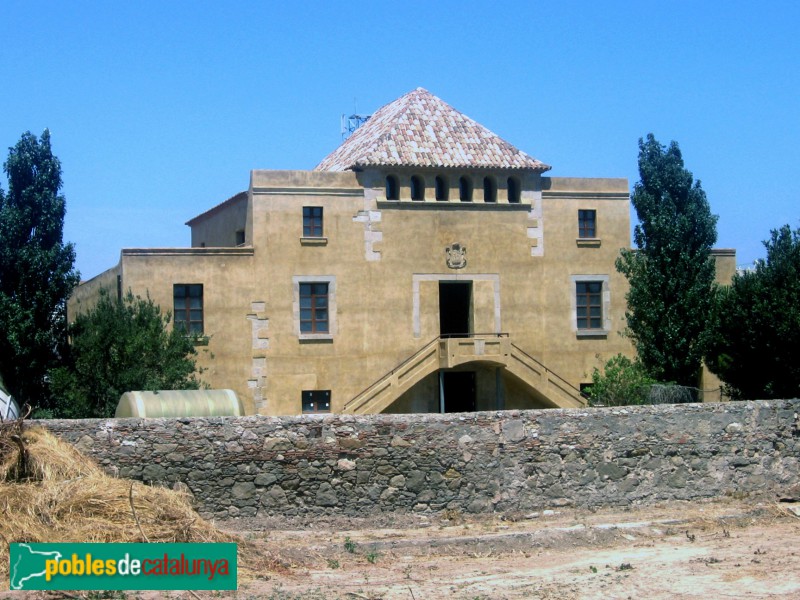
x,y
755,341
622,382
36,268
119,346
671,275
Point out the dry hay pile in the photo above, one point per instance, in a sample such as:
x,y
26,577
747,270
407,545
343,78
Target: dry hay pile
x,y
50,492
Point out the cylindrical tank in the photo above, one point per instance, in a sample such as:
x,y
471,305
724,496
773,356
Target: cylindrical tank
x,y
180,403
9,410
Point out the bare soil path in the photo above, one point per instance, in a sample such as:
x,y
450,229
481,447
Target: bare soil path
x,y
722,549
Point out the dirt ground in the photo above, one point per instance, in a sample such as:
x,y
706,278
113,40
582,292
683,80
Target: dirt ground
x,y
721,549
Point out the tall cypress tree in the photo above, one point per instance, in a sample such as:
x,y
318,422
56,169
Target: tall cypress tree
x,y
671,275
756,336
36,269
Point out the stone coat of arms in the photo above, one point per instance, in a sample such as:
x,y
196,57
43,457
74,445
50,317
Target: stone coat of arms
x,y
456,256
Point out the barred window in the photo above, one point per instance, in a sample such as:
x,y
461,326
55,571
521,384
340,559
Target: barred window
x,y
316,401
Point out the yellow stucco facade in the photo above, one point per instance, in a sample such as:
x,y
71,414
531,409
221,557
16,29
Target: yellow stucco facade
x,y
400,287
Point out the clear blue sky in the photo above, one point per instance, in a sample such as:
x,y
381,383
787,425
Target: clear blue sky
x,y
159,110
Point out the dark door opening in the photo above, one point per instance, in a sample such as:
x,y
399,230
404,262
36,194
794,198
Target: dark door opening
x,y
458,391
455,308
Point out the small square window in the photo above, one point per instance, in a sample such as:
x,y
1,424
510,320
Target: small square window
x,y
187,305
587,223
316,401
240,237
312,221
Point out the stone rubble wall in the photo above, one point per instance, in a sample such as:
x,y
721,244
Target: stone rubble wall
x,y
475,462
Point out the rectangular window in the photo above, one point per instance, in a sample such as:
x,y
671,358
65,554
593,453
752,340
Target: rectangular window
x,y
314,308
312,221
589,304
587,223
188,307
316,401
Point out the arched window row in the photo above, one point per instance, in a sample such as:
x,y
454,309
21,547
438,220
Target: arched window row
x,y
441,188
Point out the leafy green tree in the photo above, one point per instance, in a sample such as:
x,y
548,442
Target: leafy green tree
x,y
622,382
118,346
36,269
671,275
755,341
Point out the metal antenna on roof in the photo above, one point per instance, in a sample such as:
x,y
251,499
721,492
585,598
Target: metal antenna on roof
x,y
353,122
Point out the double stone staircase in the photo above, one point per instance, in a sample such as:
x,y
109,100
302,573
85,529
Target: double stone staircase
x,y
450,352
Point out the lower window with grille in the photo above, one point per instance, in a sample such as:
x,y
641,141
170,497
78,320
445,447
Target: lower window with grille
x,y
316,401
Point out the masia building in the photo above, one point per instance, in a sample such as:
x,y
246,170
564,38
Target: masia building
x,y
425,265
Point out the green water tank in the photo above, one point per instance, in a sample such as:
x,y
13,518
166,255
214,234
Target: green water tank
x,y
180,403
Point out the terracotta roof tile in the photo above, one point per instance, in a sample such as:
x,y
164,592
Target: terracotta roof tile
x,y
421,130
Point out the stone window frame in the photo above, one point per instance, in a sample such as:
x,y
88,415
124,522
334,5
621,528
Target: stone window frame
x,y
605,303
332,325
416,300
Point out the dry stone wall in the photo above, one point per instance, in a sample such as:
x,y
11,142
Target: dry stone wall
x,y
476,462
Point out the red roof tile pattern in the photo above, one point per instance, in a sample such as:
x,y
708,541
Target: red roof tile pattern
x,y
421,130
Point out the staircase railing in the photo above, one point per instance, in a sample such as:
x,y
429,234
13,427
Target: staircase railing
x,y
562,383
426,348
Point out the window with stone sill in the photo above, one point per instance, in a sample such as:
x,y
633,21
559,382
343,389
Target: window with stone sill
x,y
590,305
587,224
312,222
187,307
314,307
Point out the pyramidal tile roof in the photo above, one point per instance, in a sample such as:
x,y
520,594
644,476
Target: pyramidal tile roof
x,y
421,130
